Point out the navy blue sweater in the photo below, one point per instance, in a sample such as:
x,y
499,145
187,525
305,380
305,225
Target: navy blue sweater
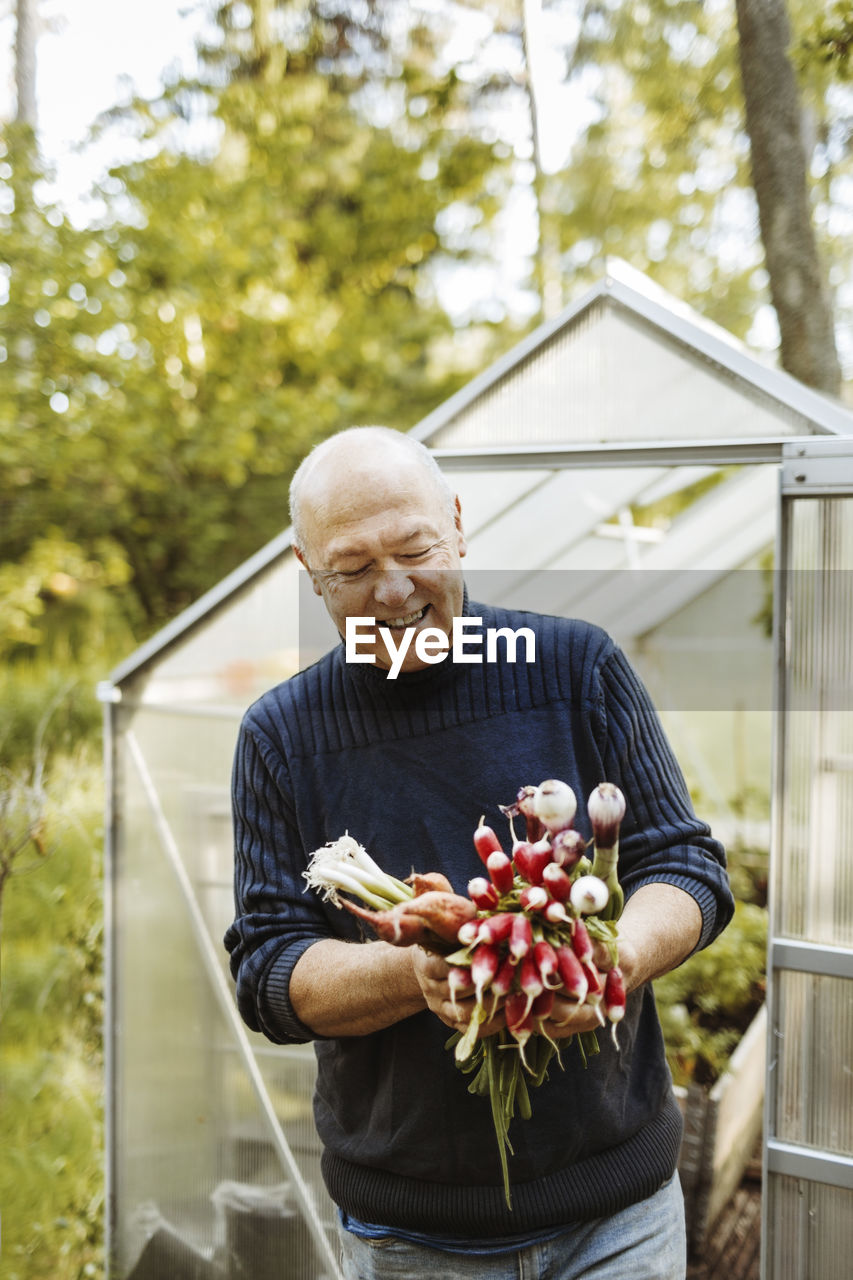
x,y
407,767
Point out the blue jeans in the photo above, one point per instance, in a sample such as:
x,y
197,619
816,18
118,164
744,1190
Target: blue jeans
x,y
644,1242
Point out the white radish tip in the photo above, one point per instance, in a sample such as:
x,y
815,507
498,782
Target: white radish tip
x,y
607,803
589,895
554,804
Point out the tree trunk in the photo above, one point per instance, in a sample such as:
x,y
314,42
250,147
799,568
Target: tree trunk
x,y
779,174
547,253
25,62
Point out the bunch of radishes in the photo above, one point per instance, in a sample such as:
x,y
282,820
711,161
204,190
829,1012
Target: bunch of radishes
x,y
524,935
539,912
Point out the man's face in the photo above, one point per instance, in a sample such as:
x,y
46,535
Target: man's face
x,y
382,543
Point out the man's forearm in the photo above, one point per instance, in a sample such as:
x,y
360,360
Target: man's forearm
x,y
660,926
351,989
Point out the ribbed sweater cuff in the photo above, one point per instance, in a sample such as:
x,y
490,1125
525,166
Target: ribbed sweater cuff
x,y
280,1021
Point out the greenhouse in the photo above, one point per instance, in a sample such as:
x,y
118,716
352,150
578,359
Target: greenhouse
x,y
628,463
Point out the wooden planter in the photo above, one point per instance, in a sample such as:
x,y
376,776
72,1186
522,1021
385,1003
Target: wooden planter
x,y
721,1127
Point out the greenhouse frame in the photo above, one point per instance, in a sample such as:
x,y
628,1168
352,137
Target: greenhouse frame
x,y
628,463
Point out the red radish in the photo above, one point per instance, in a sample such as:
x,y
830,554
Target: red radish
x,y
532,859
500,870
606,809
520,938
523,804
555,880
555,913
484,966
524,801
596,986
502,982
469,932
569,847
458,979
571,974
533,898
518,1020
482,893
496,928
545,959
614,999
554,804
542,1007
581,941
529,980
485,841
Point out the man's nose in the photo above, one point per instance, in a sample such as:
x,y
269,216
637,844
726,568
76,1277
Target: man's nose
x,y
392,588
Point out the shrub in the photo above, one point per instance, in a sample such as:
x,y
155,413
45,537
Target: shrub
x,y
708,1002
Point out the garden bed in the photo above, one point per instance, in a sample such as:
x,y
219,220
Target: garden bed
x,y
721,1126
714,1023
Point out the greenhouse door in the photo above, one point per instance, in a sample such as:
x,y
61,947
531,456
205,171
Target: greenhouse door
x,y
807,1229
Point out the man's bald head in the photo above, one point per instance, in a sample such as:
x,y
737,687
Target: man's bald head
x,y
351,456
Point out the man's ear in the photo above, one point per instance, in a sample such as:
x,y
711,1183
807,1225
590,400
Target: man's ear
x,y
300,556
462,545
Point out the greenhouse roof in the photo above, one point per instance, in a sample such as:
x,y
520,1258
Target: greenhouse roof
x,y
559,448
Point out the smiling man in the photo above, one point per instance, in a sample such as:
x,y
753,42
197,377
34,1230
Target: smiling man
x,y
407,767
380,534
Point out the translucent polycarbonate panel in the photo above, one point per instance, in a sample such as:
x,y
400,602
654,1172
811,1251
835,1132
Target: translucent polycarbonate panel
x,y
546,522
813,887
188,758
808,1233
195,1173
807,1225
724,530
242,647
581,523
609,375
485,495
814,1044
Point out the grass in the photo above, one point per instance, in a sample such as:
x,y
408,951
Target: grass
x,y
51,1132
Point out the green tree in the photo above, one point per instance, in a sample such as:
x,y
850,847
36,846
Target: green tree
x,y
829,39
59,555
661,175
241,297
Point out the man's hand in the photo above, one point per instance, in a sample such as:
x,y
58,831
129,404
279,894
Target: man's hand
x,y
431,972
659,928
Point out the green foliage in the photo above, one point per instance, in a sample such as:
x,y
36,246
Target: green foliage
x,y
48,710
661,175
708,1002
166,369
748,866
60,563
267,274
829,40
51,1177
652,177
